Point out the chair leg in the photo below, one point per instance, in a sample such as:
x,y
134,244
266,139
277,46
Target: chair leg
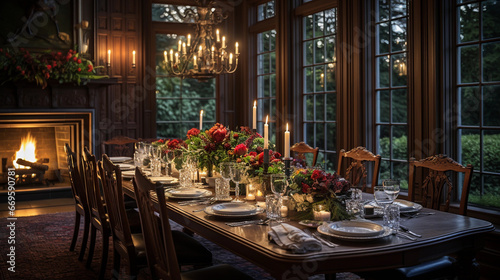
x,y
91,246
104,258
76,230
86,228
132,267
116,265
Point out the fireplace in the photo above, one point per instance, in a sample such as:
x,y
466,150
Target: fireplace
x,y
50,130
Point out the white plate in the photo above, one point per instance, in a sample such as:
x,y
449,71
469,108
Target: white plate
x,y
119,159
405,206
126,166
325,229
234,208
210,211
311,223
356,228
187,193
131,173
161,179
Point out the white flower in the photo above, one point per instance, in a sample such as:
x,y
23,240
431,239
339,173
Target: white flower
x,y
310,198
298,198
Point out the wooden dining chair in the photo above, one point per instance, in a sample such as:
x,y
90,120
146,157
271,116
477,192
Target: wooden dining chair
x,y
437,184
127,245
81,202
356,172
160,243
119,146
301,149
98,217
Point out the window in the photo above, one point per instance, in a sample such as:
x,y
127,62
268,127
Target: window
x,y
477,95
178,102
319,93
266,81
391,89
265,11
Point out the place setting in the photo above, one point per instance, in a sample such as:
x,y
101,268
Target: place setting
x,y
233,210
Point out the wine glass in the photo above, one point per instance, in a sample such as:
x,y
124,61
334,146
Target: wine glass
x,y
237,174
225,172
279,185
391,189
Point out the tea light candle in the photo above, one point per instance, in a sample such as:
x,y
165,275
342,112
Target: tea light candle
x,y
250,196
322,215
369,210
284,211
259,196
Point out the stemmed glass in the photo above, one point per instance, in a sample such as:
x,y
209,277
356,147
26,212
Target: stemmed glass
x,y
279,185
238,172
391,189
225,172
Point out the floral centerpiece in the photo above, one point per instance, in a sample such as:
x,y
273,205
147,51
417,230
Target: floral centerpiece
x,y
64,67
311,187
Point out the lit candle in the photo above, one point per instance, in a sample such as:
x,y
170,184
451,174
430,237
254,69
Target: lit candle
x,y
259,196
266,134
189,40
200,51
176,57
237,52
284,211
180,46
184,48
133,57
201,119
250,196
287,142
223,41
109,57
217,32
165,56
231,59
195,61
254,119
171,56
213,51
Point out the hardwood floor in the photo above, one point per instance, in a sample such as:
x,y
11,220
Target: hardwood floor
x,y
39,207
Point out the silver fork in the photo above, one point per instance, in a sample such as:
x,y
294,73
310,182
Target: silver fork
x,y
320,238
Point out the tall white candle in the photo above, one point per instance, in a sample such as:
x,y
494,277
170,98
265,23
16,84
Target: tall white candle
x,y
195,61
179,48
266,134
237,51
189,40
223,41
109,57
171,56
254,117
287,142
230,58
201,120
165,56
184,48
218,37
133,57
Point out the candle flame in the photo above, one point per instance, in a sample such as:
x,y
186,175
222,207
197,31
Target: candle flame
x,y
255,103
26,151
133,52
201,113
267,118
286,126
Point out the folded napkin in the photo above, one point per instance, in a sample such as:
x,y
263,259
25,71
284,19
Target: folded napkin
x,y
292,238
404,206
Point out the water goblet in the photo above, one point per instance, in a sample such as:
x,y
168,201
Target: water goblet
x,y
391,189
279,185
238,172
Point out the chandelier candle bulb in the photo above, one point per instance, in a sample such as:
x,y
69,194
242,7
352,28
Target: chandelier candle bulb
x,y
237,51
231,59
254,116
171,55
200,51
189,40
223,42
184,48
201,119
176,58
133,57
266,134
180,46
287,142
195,61
165,56
109,57
218,37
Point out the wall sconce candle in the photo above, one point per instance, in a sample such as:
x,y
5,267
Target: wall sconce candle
x,y
109,58
133,59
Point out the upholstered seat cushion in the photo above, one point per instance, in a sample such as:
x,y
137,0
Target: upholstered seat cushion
x,y
219,272
189,251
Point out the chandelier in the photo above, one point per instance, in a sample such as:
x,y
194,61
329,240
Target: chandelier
x,y
206,54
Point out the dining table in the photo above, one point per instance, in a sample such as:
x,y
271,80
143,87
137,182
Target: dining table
x,y
442,234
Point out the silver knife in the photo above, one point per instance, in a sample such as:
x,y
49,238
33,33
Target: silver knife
x,y
407,230
242,223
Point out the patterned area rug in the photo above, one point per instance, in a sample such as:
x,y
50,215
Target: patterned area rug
x,y
42,252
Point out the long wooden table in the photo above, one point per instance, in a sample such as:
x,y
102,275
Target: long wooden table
x,y
443,234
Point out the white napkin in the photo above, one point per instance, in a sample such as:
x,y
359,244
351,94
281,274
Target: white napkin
x,y
292,238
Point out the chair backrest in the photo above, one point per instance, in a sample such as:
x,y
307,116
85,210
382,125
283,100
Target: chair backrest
x,y
160,250
111,177
92,185
433,186
77,184
119,146
301,148
356,173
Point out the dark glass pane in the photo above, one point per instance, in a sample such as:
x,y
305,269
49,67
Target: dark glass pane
x,y
399,106
170,130
270,9
169,13
475,194
384,141
309,133
469,58
385,171
209,114
399,35
469,147
398,8
330,21
330,49
272,40
272,62
330,162
319,77
308,27
319,50
266,109
260,86
194,88
260,42
491,19
491,191
399,142
468,25
308,79
383,72
319,24
168,110
272,114
469,102
266,38
400,172
309,107
261,15
399,70
320,107
383,38
308,52
491,105
266,86
320,135
331,106
331,136
168,87
261,64
383,106
272,88
331,81
382,10
272,133
491,61
491,150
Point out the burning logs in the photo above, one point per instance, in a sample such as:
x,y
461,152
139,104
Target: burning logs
x,y
33,165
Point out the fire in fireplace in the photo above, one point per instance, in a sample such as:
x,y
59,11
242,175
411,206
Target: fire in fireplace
x,y
29,169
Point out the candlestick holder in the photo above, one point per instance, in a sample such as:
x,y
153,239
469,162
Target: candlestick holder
x,y
266,160
288,161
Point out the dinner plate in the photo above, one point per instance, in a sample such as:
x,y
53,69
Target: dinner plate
x,y
126,166
234,208
311,223
161,179
210,211
131,173
407,206
187,193
356,228
119,159
325,229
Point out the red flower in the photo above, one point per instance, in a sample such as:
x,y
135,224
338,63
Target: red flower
x,y
236,136
173,144
22,72
161,141
227,146
305,187
79,69
240,149
49,66
219,134
79,61
90,68
318,175
75,59
193,132
253,154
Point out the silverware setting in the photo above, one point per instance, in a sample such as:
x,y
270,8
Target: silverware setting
x,y
402,234
194,202
407,230
320,238
249,222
